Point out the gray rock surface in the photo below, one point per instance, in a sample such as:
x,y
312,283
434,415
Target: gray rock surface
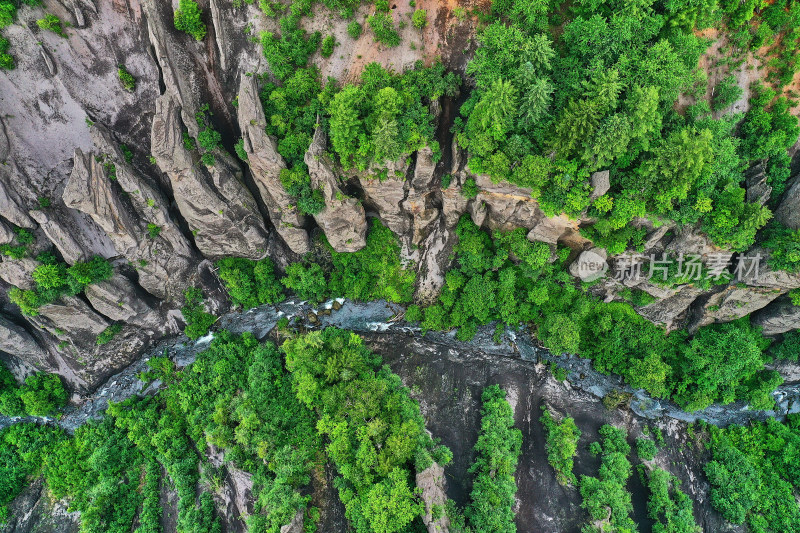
x,y
756,183
421,196
778,317
733,302
601,183
386,195
123,208
788,212
432,485
590,265
120,300
17,272
15,340
214,202
265,165
343,218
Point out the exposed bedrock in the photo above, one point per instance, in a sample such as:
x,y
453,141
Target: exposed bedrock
x,y
788,212
778,317
265,165
135,217
343,218
218,208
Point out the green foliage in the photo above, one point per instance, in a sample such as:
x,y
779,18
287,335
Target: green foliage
x,y
710,374
328,44
297,183
307,281
726,93
546,117
646,449
188,19
6,60
290,49
376,434
419,19
22,447
52,23
783,245
250,283
240,151
789,347
198,320
354,30
40,395
670,507
509,279
496,456
374,272
153,230
8,12
235,396
108,334
292,112
54,279
126,79
387,115
383,28
469,189
768,127
606,497
561,445
208,138
754,474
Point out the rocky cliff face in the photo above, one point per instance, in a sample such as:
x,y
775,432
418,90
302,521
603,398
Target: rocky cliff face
x,y
120,182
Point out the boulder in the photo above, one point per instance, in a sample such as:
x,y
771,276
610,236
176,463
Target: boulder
x,y
671,312
70,242
266,165
123,209
6,233
761,275
296,525
732,303
214,202
385,196
454,203
343,219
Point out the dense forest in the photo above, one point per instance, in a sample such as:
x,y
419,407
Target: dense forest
x,y
422,182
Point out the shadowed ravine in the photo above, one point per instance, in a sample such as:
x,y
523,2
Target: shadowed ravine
x,y
379,317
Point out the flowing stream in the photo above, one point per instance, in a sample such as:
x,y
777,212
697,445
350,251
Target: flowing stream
x,y
380,316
